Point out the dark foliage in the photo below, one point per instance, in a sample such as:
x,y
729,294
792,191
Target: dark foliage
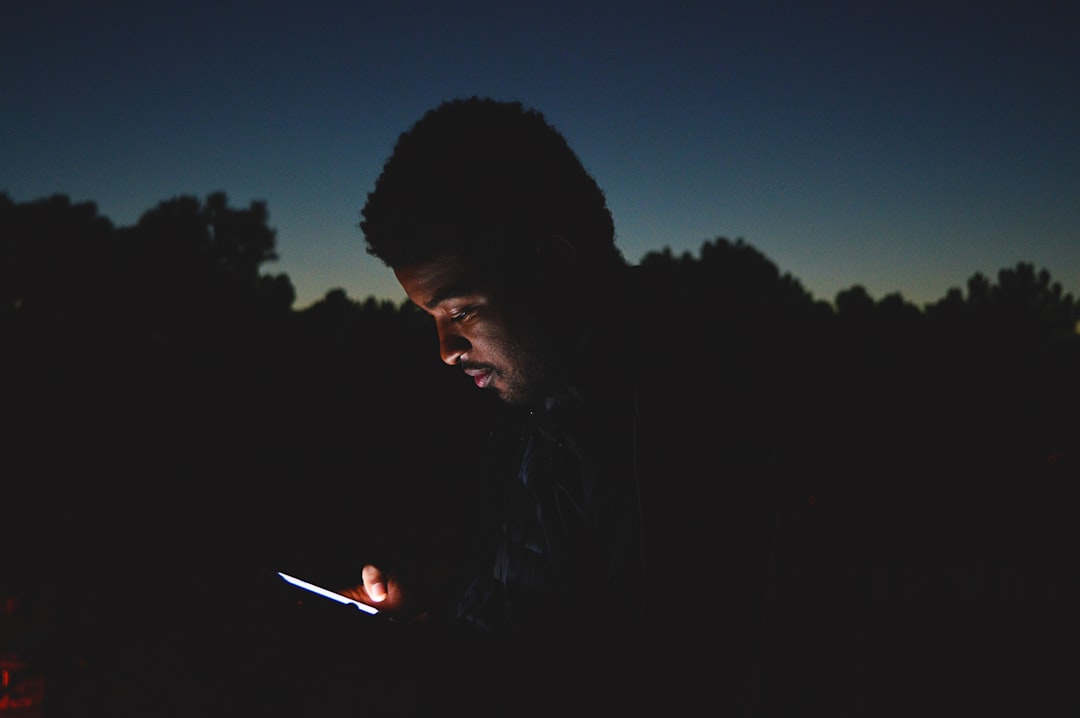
x,y
175,428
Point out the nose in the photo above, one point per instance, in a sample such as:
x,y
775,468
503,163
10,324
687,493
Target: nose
x,y
452,345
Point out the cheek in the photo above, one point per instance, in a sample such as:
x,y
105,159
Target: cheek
x,y
515,339
494,333
492,343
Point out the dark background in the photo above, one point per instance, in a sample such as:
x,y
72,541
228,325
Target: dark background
x,y
176,432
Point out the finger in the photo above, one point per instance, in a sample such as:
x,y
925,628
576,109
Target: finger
x,y
374,583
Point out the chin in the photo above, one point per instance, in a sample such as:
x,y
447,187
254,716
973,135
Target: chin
x,y
512,399
531,399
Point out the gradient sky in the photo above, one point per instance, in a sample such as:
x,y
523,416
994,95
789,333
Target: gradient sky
x,y
899,145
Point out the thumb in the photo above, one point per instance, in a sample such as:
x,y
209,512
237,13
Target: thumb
x,y
374,583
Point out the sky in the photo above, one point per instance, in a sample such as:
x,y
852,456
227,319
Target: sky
x,y
902,146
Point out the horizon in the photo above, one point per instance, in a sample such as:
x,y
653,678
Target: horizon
x,y
900,147
270,267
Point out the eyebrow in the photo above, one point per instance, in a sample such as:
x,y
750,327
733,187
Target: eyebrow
x,y
451,291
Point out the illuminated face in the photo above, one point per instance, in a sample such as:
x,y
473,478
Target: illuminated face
x,y
493,337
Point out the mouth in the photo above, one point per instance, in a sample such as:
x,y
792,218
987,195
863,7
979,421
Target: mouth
x,y
481,377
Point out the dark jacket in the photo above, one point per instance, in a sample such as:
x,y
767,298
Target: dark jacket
x,y
554,586
625,534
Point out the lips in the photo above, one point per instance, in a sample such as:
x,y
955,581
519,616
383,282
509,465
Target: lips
x,y
482,377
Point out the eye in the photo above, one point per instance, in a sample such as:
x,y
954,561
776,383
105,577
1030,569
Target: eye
x,y
459,315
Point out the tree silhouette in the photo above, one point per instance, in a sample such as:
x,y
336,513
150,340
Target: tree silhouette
x,y
53,255
197,266
158,365
1025,311
732,305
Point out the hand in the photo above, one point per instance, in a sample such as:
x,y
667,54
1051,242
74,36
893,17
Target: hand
x,y
386,593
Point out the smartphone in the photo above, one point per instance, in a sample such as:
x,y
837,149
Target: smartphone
x,y
327,593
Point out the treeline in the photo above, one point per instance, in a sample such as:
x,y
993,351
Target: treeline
x,y
175,431
159,366
161,390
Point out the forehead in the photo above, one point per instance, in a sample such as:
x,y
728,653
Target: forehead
x,y
430,283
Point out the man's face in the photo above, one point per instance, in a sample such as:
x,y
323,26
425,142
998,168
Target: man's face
x,y
494,338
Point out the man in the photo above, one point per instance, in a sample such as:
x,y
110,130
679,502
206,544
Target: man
x,y
493,227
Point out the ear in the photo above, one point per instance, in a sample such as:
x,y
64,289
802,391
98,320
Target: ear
x,y
557,259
